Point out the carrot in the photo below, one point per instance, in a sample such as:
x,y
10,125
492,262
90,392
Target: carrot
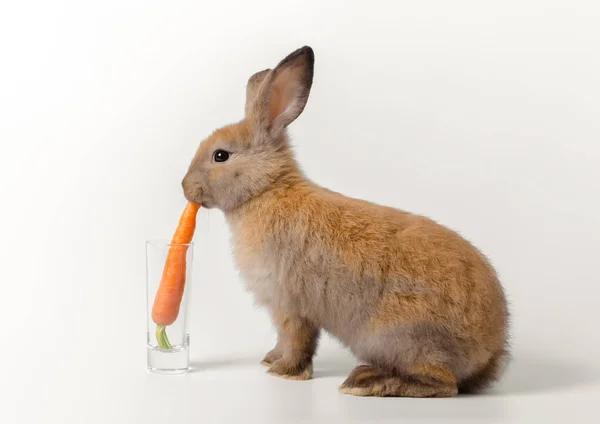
x,y
170,291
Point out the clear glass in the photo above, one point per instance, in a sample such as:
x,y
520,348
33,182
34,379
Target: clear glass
x,y
175,359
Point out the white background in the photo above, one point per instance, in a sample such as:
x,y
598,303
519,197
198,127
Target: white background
x,y
482,115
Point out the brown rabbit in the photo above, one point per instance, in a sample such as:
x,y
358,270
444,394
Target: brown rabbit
x,y
413,300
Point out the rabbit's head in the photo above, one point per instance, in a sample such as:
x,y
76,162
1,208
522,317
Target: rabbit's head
x,y
244,159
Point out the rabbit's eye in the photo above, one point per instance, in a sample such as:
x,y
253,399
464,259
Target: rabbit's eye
x,y
221,156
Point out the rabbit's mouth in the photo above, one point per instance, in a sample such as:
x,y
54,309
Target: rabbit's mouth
x,y
199,197
206,204
194,198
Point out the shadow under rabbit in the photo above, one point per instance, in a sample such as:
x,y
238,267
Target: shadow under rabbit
x,y
524,373
529,374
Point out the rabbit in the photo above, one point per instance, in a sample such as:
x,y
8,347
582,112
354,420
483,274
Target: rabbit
x,y
415,302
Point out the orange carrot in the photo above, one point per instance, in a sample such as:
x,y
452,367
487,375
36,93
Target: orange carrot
x,y
170,292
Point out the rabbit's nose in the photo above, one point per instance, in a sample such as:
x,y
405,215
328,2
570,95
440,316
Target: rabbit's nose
x,y
190,179
191,184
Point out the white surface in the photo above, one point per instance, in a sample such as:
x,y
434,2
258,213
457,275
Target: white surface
x,y
482,115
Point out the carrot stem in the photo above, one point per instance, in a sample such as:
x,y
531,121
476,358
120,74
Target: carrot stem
x,y
161,337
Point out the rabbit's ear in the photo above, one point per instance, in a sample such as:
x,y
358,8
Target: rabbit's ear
x,y
253,88
284,94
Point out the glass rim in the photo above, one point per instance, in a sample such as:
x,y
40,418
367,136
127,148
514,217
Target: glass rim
x,y
166,243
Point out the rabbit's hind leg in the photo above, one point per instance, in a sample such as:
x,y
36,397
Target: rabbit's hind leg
x,y
423,381
410,360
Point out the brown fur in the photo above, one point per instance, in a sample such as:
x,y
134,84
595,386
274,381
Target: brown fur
x,y
411,298
367,380
297,343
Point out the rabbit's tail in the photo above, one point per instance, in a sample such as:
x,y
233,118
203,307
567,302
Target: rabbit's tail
x,y
490,372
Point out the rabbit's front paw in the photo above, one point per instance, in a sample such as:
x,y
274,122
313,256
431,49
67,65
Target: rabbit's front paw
x,y
292,371
270,358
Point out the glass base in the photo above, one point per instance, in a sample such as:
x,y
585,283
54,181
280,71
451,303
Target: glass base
x,y
169,361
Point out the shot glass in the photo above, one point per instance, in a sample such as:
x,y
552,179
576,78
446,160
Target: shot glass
x,y
168,346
